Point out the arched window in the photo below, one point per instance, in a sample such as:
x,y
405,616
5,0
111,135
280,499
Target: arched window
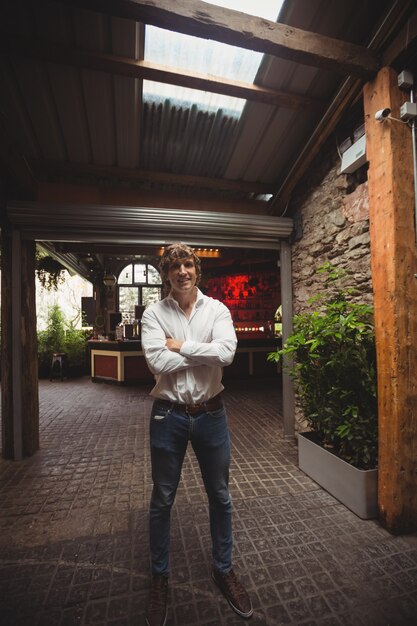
x,y
138,284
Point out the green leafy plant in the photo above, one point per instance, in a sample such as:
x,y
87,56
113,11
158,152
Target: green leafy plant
x,y
75,347
334,370
53,338
61,336
49,271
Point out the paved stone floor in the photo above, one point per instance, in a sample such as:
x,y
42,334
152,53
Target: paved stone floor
x,y
73,525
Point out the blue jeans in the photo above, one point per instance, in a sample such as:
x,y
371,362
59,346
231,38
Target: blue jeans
x,y
170,431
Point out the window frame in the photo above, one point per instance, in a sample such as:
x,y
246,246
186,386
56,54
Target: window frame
x,y
138,285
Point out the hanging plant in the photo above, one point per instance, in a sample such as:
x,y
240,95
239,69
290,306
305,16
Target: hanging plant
x,y
50,272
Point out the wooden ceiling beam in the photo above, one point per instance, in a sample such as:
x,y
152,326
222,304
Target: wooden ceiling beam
x,y
61,193
346,95
104,249
107,250
45,168
404,46
207,21
143,70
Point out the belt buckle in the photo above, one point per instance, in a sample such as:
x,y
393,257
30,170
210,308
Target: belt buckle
x,y
195,408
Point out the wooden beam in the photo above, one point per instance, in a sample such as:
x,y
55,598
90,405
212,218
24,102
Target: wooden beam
x,y
404,45
114,250
207,21
106,249
346,95
44,169
394,265
143,70
61,193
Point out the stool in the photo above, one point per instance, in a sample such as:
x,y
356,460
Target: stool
x,y
58,365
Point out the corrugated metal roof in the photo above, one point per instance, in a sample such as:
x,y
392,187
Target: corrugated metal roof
x,y
84,116
54,111
186,140
96,127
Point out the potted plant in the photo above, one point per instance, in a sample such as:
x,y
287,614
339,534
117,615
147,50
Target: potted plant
x,y
49,271
334,370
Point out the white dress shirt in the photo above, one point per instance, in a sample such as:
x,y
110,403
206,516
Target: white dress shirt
x,y
194,374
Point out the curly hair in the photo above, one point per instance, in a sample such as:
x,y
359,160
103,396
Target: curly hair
x,y
177,251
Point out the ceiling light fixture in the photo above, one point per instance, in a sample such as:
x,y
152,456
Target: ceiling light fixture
x,y
109,279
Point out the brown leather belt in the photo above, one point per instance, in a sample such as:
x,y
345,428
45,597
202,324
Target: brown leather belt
x,y
192,409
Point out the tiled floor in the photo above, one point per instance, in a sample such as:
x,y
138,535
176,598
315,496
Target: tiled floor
x,y
73,525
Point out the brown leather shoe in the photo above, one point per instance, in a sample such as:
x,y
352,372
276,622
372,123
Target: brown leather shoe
x,y
156,614
234,592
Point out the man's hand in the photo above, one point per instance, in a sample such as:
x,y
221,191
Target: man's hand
x,y
173,344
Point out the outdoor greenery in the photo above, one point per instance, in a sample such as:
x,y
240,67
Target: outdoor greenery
x,y
334,371
53,338
61,336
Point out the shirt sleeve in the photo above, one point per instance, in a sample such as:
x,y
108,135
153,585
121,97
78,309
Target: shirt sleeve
x,y
160,360
221,349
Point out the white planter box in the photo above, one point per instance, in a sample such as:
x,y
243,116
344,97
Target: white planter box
x,y
357,489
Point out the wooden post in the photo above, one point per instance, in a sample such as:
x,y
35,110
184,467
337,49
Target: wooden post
x,y
394,263
19,361
29,342
17,357
6,345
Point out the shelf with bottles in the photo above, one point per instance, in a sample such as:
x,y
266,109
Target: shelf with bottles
x,y
235,289
254,329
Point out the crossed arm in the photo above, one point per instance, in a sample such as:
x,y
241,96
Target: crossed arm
x,y
165,354
173,344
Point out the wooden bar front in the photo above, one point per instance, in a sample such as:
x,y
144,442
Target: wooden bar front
x,y
123,362
120,362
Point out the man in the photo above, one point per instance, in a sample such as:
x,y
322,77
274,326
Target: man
x,y
187,339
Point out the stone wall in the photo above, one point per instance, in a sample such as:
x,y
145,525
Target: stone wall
x,y
331,217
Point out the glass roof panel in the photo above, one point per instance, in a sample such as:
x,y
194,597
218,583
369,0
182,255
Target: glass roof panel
x,y
205,57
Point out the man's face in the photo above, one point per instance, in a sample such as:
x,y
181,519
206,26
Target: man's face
x,y
182,275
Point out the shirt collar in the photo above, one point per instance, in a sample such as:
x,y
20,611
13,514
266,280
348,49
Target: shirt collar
x,y
199,301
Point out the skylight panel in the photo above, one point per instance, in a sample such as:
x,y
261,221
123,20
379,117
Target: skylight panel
x,y
268,9
204,56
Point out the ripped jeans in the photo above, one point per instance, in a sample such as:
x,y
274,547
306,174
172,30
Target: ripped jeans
x,y
170,431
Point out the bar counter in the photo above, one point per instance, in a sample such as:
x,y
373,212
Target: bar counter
x,y
122,362
251,358
119,362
